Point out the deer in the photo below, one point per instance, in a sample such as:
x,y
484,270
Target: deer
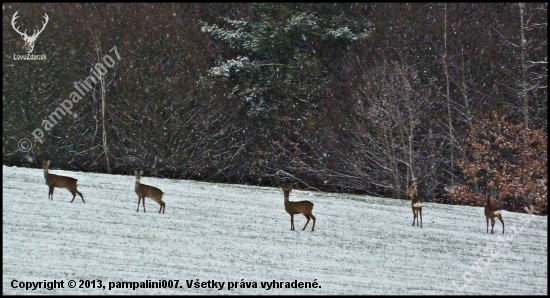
x,y
59,181
29,40
147,191
491,212
301,207
416,204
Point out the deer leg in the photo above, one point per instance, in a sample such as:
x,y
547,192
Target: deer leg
x,y
143,204
308,218
420,211
414,216
292,222
139,201
487,224
74,195
492,225
50,193
500,218
80,194
313,217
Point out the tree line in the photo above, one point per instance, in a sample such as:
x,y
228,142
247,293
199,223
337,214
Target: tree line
x,y
358,98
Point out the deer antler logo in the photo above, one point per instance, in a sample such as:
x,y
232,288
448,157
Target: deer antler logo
x,y
29,40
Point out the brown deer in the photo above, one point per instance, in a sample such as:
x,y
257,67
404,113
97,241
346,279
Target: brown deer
x,y
53,181
147,191
301,207
491,212
416,204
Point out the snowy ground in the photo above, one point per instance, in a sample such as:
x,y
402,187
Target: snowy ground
x,y
236,233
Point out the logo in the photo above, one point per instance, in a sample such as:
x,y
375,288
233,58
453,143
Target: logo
x,y
29,40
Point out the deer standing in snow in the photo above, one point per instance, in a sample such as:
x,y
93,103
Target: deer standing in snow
x,y
53,181
491,212
415,204
147,191
301,207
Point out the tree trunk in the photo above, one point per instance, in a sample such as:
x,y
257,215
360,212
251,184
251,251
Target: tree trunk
x,y
523,83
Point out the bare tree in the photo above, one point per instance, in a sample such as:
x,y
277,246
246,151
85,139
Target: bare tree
x,y
448,95
97,44
391,104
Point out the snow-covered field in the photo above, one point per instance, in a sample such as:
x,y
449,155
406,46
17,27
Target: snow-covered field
x,y
240,234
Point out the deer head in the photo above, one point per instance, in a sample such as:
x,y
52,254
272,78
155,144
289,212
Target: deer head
x,y
487,200
286,190
29,40
413,190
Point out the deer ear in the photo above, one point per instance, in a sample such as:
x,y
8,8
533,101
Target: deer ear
x,y
135,172
48,162
141,172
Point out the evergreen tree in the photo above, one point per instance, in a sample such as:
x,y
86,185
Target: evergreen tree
x,y
279,65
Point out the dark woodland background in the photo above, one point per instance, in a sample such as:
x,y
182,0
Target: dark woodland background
x,y
355,98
